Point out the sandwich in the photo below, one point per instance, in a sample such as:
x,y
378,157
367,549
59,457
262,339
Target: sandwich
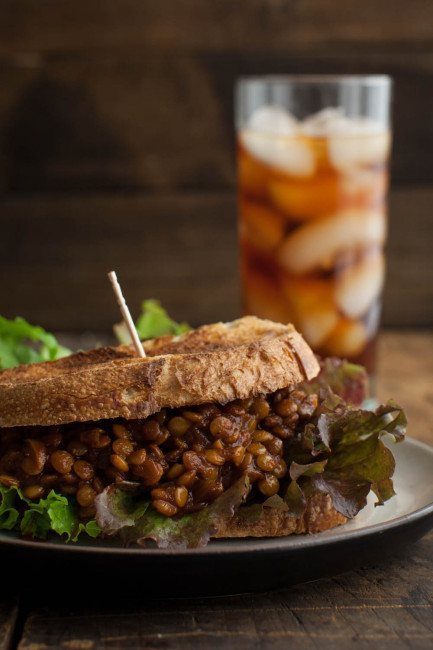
x,y
230,430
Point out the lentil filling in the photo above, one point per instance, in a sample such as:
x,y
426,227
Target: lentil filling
x,y
184,458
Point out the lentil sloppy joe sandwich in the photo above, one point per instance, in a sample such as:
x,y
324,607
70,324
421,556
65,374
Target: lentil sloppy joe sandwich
x,y
229,430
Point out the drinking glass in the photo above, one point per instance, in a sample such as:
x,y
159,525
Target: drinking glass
x,y
313,156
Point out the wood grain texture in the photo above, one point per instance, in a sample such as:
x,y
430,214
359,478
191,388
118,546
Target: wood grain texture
x,y
126,121
387,606
138,94
31,25
8,620
182,249
405,371
150,120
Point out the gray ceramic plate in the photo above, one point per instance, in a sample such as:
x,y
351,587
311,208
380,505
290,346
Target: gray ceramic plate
x,y
235,566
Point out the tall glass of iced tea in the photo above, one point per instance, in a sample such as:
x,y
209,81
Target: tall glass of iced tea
x,y
313,175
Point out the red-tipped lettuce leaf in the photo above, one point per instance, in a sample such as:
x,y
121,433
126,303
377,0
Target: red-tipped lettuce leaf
x,y
118,510
347,380
357,461
297,470
344,426
348,496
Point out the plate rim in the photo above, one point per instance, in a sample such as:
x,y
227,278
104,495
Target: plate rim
x,y
234,545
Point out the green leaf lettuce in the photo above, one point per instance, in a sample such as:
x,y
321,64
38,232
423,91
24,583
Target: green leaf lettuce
x,y
152,322
37,519
22,343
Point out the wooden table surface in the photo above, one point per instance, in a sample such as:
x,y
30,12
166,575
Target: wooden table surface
x,y
385,605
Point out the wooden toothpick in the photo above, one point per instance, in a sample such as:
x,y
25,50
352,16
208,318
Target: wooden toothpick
x,y
126,314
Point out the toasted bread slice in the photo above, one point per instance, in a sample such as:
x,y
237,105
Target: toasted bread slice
x,y
319,515
215,363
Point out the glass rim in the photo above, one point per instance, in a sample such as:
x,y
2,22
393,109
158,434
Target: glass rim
x,y
318,79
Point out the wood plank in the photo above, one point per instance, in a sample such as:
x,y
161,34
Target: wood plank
x,y
387,606
148,120
55,251
408,298
181,250
8,619
405,369
80,124
41,25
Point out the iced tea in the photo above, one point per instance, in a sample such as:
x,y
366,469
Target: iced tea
x,y
312,206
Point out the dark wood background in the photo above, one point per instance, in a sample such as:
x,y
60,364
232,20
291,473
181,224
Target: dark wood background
x,y
116,145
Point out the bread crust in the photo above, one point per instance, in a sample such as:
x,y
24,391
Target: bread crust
x,y
215,363
319,515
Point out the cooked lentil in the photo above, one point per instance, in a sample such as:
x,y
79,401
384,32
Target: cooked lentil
x,y
33,491
83,470
183,458
269,485
86,495
137,457
61,461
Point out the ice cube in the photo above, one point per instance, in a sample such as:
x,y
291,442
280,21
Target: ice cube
x,y
263,227
323,123
317,325
353,142
313,306
263,298
333,121
366,187
347,340
290,154
302,200
359,126
359,286
273,120
358,149
316,244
